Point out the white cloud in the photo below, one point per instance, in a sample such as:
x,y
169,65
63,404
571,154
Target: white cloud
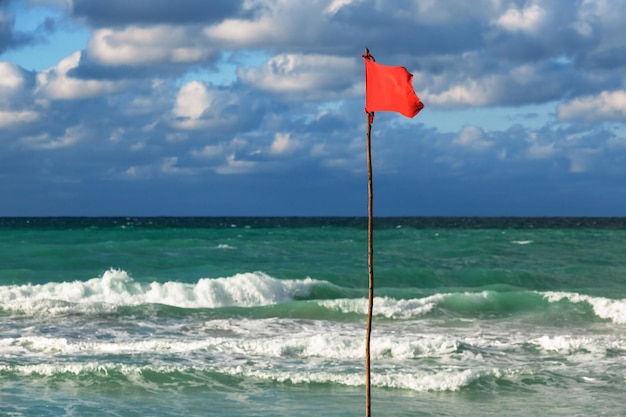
x,y
474,138
336,5
282,144
71,136
11,77
539,151
200,106
176,137
524,74
468,93
135,172
14,118
583,159
133,46
117,135
431,11
527,19
209,151
608,105
169,165
192,100
289,26
272,22
132,172
157,100
56,84
314,76
236,166
15,88
137,146
224,154
590,11
239,33
475,63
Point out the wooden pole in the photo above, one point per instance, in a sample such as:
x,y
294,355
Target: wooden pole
x,y
370,263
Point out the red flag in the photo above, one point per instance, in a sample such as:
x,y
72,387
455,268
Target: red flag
x,y
389,88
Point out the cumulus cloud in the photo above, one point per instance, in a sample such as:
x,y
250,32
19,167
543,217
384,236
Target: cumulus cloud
x,y
14,118
15,86
192,100
283,143
582,160
46,141
136,46
201,106
471,92
57,83
336,5
267,22
541,151
304,76
209,151
473,138
16,98
275,88
527,19
608,105
234,166
170,166
11,76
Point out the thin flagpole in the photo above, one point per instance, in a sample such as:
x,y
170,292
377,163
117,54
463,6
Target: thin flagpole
x,y
370,261
370,266
395,80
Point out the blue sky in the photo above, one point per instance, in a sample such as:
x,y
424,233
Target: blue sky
x,y
255,107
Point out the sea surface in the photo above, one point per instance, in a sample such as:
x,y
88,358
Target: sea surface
x,y
266,317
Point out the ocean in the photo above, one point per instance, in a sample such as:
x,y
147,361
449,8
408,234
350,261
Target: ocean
x,y
266,316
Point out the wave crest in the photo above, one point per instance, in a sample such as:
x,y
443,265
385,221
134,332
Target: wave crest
x,y
605,308
117,288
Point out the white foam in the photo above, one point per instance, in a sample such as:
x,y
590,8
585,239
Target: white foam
x,y
385,306
50,369
299,351
117,288
569,344
268,338
400,309
522,242
441,380
225,246
416,380
606,308
444,380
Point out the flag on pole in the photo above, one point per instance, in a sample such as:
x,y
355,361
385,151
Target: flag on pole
x,y
389,88
386,89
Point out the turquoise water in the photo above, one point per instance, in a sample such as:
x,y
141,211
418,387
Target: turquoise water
x,y
266,316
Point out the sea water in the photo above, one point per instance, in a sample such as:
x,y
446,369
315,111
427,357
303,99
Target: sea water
x,y
266,317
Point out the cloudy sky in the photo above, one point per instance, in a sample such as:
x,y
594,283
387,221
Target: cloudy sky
x,y
255,107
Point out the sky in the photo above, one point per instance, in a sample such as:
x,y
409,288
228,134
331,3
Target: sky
x,y
256,108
